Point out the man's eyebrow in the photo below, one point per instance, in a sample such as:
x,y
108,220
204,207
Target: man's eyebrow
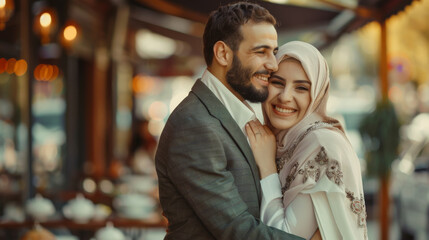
x,y
264,46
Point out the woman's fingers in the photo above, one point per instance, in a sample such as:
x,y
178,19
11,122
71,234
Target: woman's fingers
x,y
263,145
250,135
267,130
257,128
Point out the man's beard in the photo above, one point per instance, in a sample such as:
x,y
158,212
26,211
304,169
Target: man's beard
x,y
239,78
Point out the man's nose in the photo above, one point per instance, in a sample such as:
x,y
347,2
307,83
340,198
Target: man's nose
x,y
271,64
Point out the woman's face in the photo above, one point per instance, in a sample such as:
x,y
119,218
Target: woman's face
x,y
288,95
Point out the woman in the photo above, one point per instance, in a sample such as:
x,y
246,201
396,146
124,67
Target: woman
x,y
310,175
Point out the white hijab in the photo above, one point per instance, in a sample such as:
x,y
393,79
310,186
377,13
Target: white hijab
x,y
342,172
317,70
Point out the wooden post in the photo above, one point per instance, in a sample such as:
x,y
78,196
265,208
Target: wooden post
x,y
383,60
383,201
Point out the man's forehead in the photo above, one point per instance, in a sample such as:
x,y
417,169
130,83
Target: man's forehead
x,y
259,34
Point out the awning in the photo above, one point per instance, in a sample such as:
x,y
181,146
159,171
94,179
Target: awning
x,y
320,21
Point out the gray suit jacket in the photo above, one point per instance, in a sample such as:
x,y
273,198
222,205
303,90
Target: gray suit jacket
x,y
208,179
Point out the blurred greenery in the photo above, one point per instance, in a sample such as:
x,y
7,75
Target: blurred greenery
x,y
380,132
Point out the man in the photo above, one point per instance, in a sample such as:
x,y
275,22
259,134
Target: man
x,y
208,180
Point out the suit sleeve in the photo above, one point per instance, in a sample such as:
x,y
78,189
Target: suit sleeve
x,y
198,168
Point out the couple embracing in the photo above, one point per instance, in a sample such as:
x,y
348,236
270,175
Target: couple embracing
x,y
250,153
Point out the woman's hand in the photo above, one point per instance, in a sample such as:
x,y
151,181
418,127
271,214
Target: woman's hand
x,y
263,144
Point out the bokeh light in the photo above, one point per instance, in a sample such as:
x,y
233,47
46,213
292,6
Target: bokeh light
x,y
21,67
46,72
70,33
106,186
10,67
3,64
89,185
143,84
158,110
45,19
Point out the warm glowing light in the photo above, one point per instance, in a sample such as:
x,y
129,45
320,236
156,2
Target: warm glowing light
x,y
20,67
37,72
46,72
10,67
55,72
3,65
13,66
43,72
45,19
6,11
143,84
70,33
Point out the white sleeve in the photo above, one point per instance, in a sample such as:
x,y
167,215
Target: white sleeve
x,y
297,219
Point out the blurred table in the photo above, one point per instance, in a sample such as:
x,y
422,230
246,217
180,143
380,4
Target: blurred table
x,y
83,230
118,222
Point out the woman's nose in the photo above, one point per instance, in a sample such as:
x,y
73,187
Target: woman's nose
x,y
285,95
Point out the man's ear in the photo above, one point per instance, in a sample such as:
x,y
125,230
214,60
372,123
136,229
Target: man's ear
x,y
222,53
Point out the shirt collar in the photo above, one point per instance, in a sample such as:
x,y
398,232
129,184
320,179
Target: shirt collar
x,y
241,112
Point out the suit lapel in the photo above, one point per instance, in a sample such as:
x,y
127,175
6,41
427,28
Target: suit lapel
x,y
218,110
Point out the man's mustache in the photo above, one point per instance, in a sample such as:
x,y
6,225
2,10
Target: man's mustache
x,y
263,72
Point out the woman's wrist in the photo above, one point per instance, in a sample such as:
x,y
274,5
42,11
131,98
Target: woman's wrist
x,y
265,172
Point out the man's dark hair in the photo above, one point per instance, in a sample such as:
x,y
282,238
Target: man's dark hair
x,y
225,22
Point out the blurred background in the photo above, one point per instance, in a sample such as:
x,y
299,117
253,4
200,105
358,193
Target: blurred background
x,y
86,87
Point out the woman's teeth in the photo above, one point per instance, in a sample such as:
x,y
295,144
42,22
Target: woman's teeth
x,y
284,110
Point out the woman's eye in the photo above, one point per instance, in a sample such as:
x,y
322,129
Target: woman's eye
x,y
302,88
276,82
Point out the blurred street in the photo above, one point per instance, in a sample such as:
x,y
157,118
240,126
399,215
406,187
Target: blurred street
x,y
86,88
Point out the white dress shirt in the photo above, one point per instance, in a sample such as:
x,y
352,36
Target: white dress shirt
x,y
241,111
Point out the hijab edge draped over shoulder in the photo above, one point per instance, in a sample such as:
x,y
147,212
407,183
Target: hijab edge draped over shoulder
x,y
315,157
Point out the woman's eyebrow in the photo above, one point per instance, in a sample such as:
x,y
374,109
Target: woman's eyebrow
x,y
302,81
